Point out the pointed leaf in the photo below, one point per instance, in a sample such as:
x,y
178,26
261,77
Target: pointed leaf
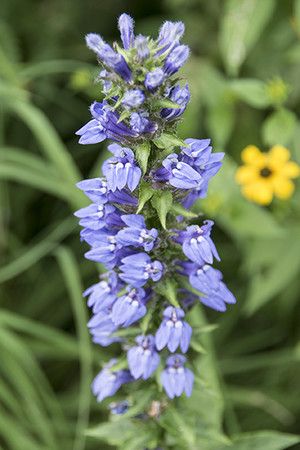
x,y
177,208
142,153
145,193
162,202
167,140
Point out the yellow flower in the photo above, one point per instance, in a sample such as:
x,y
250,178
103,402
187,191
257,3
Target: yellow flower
x,y
265,175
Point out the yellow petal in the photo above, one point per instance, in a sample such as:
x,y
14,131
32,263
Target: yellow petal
x,y
291,170
246,174
277,156
283,187
260,192
253,156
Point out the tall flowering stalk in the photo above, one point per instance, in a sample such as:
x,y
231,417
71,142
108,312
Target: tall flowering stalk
x,y
139,224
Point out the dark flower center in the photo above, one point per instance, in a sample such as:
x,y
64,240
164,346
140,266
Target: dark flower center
x,y
265,172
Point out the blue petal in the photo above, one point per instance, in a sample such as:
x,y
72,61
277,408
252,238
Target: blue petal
x,y
185,337
162,336
174,339
189,381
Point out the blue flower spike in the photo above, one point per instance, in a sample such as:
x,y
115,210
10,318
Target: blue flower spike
x,y
132,225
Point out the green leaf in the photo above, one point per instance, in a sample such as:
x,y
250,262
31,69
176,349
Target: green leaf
x,y
145,193
50,67
206,328
49,140
32,254
114,432
71,275
197,347
142,153
251,91
167,140
165,103
177,208
262,440
162,202
279,127
169,290
126,434
175,422
220,122
38,180
242,25
283,268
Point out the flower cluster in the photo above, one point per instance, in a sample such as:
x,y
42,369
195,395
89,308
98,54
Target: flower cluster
x,y
140,92
137,225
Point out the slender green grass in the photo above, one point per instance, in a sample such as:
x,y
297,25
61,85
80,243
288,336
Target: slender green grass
x,y
246,361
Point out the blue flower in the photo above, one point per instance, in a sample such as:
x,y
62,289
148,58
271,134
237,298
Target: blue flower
x,y
102,295
176,58
133,98
178,95
197,244
154,79
173,332
140,123
176,379
122,197
143,359
142,47
102,328
214,293
136,234
126,27
142,100
94,216
93,132
138,269
95,189
108,382
198,153
121,169
105,124
108,56
179,174
169,36
104,248
129,307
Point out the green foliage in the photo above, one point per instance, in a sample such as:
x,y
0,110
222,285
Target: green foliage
x,y
142,153
167,141
252,92
145,194
267,440
241,28
162,203
279,127
246,361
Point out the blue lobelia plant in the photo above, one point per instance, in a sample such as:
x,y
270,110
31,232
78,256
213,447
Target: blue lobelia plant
x,y
139,224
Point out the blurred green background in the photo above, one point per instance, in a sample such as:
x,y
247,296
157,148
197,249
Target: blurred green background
x,y
244,75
